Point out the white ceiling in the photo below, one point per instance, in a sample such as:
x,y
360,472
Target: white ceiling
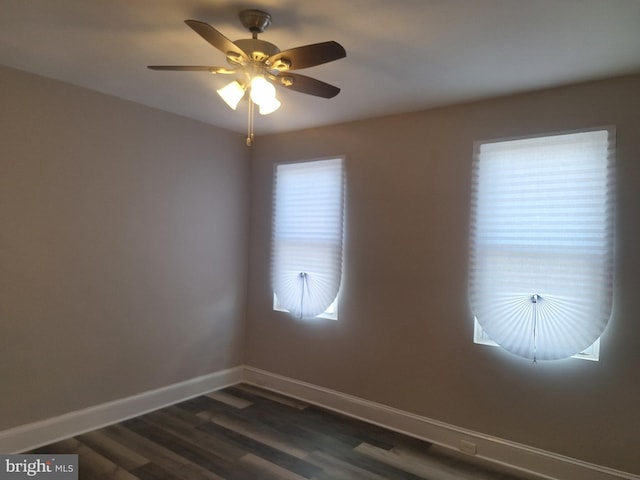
x,y
402,55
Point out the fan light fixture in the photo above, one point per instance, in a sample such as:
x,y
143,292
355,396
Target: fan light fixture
x,y
261,93
258,65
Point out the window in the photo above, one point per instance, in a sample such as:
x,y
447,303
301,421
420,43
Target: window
x,y
541,269
307,237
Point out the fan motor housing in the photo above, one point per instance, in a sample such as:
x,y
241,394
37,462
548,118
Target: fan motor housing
x,y
256,21
258,50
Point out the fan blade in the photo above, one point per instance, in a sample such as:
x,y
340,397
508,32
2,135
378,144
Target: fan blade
x,y
216,39
308,85
179,68
309,55
186,68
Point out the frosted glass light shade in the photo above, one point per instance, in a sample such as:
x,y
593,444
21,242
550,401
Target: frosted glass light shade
x,y
262,90
263,94
270,106
232,93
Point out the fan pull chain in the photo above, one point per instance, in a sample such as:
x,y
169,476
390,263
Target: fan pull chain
x,y
250,124
534,300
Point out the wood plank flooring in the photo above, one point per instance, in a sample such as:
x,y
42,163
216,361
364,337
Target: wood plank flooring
x,y
244,432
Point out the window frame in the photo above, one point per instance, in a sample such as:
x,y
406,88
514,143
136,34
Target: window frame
x,y
480,337
591,353
331,313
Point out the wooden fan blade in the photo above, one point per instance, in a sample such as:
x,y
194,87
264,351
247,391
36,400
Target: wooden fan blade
x,y
308,85
309,55
216,39
179,68
187,68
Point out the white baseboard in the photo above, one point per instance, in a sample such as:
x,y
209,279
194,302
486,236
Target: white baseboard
x,y
513,455
33,435
526,459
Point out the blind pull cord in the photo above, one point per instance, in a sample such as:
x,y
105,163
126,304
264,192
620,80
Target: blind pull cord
x,y
305,283
534,300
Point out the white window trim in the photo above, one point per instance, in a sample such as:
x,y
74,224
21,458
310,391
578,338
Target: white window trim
x,y
480,337
331,313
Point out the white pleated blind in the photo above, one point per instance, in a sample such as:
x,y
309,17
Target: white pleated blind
x,y
541,272
307,235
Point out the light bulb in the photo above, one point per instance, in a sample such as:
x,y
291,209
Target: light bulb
x,y
232,94
262,91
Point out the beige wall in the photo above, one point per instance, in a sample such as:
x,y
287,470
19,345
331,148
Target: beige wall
x,y
123,235
404,337
122,248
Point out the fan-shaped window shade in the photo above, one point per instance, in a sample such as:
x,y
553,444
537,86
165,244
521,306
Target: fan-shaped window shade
x,y
541,276
307,235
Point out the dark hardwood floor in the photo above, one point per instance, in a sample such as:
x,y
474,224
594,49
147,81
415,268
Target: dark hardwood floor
x,y
244,432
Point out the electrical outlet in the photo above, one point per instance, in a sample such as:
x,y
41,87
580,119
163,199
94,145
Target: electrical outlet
x,y
469,448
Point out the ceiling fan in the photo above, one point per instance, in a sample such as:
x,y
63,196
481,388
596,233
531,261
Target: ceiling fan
x,y
259,65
